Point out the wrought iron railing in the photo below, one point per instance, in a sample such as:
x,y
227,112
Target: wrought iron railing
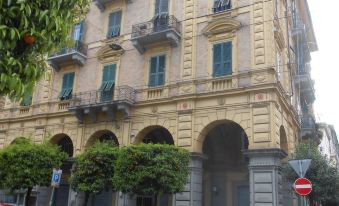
x,y
221,7
118,94
74,46
157,24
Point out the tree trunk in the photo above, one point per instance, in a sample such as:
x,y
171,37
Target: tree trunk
x,y
86,198
28,195
155,200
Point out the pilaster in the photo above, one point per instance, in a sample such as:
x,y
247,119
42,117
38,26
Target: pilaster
x,y
192,194
265,176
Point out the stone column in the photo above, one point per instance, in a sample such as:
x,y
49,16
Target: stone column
x,y
265,176
192,195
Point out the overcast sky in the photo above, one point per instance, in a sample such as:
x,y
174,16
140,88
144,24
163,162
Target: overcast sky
x,y
325,66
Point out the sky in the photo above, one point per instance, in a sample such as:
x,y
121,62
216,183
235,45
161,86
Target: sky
x,y
325,61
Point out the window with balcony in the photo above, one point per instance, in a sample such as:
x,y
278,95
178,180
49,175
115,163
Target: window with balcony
x,y
221,5
157,71
114,24
222,59
67,86
108,83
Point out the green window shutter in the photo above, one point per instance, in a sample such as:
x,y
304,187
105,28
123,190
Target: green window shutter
x,y
227,60
153,72
222,59
67,85
108,77
217,58
161,70
27,100
114,23
157,71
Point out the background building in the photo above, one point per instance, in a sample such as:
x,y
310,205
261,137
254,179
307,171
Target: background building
x,y
227,80
329,143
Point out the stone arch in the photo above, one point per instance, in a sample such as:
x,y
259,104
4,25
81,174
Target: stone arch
x,y
203,133
64,142
283,139
102,135
154,134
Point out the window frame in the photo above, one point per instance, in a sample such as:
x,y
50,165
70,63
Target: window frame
x,y
223,60
66,93
156,84
108,36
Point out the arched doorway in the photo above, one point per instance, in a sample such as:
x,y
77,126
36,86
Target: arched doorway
x,y
102,136
107,197
61,194
155,135
226,177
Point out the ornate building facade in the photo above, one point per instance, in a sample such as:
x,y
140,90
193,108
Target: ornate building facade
x,y
228,80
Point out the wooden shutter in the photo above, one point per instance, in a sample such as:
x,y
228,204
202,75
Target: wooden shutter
x,y
67,85
153,72
161,70
108,77
217,59
81,32
227,58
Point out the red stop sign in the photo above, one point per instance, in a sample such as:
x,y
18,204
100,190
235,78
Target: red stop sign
x,y
302,186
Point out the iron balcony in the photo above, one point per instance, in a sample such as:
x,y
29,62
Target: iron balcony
x,y
76,52
162,28
91,103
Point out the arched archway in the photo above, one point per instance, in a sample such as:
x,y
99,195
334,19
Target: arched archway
x,y
102,136
226,176
62,192
18,139
155,135
64,142
283,139
106,196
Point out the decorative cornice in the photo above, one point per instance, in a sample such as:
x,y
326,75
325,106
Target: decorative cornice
x,y
221,25
106,52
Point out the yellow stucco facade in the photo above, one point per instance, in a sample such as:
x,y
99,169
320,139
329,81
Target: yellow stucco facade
x,y
259,95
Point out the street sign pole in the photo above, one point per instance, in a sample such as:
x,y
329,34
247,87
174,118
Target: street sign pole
x,y
56,178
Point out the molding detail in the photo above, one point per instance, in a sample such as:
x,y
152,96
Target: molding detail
x,y
106,52
221,25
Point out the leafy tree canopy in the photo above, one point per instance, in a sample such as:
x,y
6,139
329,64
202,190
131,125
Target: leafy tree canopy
x,y
151,169
323,175
25,164
94,168
28,31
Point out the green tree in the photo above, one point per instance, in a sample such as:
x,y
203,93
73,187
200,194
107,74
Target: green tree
x,y
94,168
323,175
25,164
28,31
151,169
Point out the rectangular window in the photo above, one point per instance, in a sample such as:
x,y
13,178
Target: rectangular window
x,y
161,8
222,59
114,24
157,71
108,82
67,86
221,5
26,100
78,32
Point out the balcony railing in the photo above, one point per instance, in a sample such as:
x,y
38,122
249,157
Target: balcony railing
x,y
120,94
93,102
160,28
307,122
75,52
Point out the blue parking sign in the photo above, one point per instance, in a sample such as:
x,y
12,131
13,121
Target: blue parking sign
x,y
56,177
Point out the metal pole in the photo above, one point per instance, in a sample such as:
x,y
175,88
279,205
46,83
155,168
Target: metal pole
x,y
52,197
